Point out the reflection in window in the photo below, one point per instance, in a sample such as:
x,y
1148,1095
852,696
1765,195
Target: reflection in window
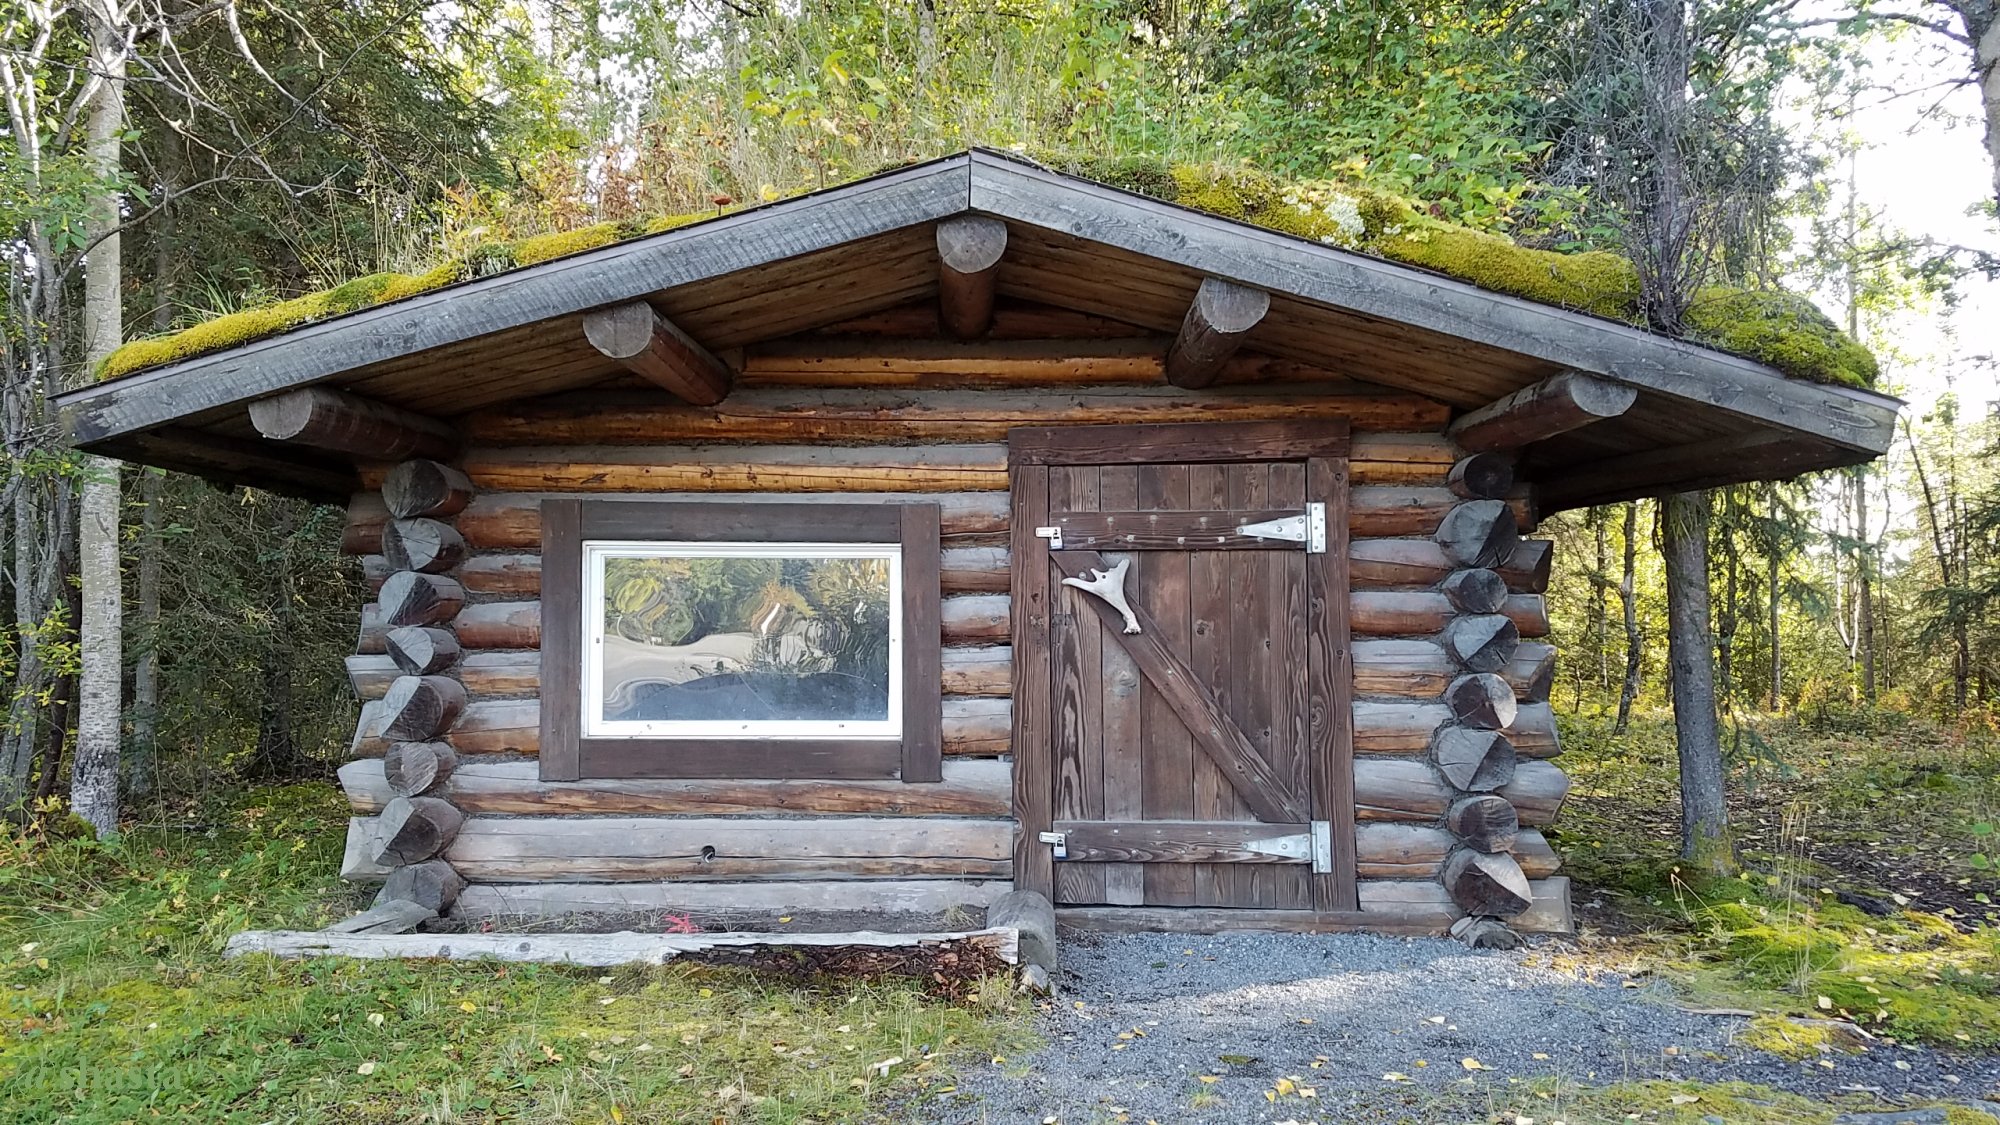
x,y
742,640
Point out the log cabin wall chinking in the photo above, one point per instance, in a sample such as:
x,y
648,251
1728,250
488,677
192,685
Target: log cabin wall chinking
x,y
967,527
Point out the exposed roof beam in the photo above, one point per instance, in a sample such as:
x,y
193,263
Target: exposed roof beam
x,y
655,349
1278,263
1556,405
969,250
1220,316
233,461
325,418
1732,459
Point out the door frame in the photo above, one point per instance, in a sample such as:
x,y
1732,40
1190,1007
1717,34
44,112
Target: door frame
x,y
1324,447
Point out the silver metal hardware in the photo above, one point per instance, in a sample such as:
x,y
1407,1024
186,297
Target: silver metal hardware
x,y
1058,842
1052,534
1322,847
1297,847
1308,527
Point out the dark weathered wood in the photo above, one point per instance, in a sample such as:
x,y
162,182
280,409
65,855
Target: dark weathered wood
x,y
1076,691
781,469
1479,533
410,598
1215,733
1407,728
1532,672
1400,850
969,250
421,707
1217,322
413,829
1330,663
513,521
1555,405
1485,643
1487,884
413,768
422,544
421,650
507,575
1478,761
1166,841
389,915
922,739
1482,700
1417,668
655,349
1399,789
425,488
1167,531
326,418
1475,591
1485,822
1193,443
431,884
1482,476
1389,613
1121,701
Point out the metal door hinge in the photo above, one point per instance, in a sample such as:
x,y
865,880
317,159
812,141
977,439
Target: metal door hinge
x,y
1058,844
1297,847
1322,847
1052,534
1308,527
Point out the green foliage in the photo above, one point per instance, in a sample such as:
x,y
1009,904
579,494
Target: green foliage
x,y
118,1006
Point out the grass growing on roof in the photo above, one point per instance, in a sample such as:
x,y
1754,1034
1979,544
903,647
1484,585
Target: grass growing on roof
x,y
1782,330
119,1008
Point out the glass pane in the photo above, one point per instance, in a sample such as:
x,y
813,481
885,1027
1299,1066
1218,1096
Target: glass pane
x,y
745,639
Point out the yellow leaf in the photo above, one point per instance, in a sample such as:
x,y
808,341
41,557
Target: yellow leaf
x,y
1473,1064
1541,1054
786,918
467,1006
1685,1099
1395,1076
1207,1079
1285,1086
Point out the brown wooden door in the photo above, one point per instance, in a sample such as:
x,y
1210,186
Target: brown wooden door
x,y
1197,752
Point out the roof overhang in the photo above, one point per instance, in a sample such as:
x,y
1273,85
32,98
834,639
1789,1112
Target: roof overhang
x,y
1702,417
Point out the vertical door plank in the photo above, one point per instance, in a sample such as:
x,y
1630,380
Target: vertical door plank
x,y
1251,675
1075,633
1215,884
1331,666
1286,628
1163,588
923,707
1121,732
1034,790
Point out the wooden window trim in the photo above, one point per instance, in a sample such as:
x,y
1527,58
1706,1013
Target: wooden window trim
x,y
567,755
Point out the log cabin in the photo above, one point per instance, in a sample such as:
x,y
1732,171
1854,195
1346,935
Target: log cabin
x,y
968,527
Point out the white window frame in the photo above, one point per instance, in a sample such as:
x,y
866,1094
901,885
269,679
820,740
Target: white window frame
x,y
595,554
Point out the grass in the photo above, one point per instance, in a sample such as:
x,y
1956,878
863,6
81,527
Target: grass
x,y
1876,807
119,1007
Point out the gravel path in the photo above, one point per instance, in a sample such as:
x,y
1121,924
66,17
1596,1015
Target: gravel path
x,y
1140,1019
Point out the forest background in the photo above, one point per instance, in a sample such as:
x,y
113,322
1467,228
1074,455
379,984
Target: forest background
x,y
265,150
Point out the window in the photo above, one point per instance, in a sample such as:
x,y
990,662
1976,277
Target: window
x,y
739,640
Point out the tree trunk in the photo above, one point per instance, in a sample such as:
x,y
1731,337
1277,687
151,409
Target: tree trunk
x,y
1986,64
146,669
94,772
1705,840
1864,586
1771,582
1628,599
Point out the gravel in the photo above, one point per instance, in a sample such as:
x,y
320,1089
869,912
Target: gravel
x,y
1139,1019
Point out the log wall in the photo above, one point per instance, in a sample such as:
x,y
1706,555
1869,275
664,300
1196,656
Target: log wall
x,y
845,424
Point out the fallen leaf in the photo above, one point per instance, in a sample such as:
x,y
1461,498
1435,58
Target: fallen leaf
x,y
1395,1076
365,1068
467,1006
1540,1055
1207,1079
1685,1099
1825,1002
1473,1064
1433,1019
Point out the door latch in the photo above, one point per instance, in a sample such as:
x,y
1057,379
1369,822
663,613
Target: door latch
x,y
1308,528
1058,844
1052,534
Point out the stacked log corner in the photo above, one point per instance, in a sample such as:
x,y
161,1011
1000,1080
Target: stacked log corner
x,y
418,600
1483,874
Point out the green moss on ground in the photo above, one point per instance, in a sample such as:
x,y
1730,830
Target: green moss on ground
x,y
1780,329
118,1006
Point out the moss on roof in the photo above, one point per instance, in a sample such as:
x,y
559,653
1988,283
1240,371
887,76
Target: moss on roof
x,y
1776,328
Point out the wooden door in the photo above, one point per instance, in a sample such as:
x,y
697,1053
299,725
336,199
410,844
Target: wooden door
x,y
1181,714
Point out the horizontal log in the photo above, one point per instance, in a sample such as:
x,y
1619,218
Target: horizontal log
x,y
619,849
890,416
757,468
420,650
970,788
503,574
726,901
421,544
983,671
1488,884
1422,562
357,858
1406,728
600,951
1482,476
410,769
972,728
1406,790
366,516
1389,850
1556,405
327,418
513,521
1549,914
421,488
413,829
1420,669
410,598
1391,613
